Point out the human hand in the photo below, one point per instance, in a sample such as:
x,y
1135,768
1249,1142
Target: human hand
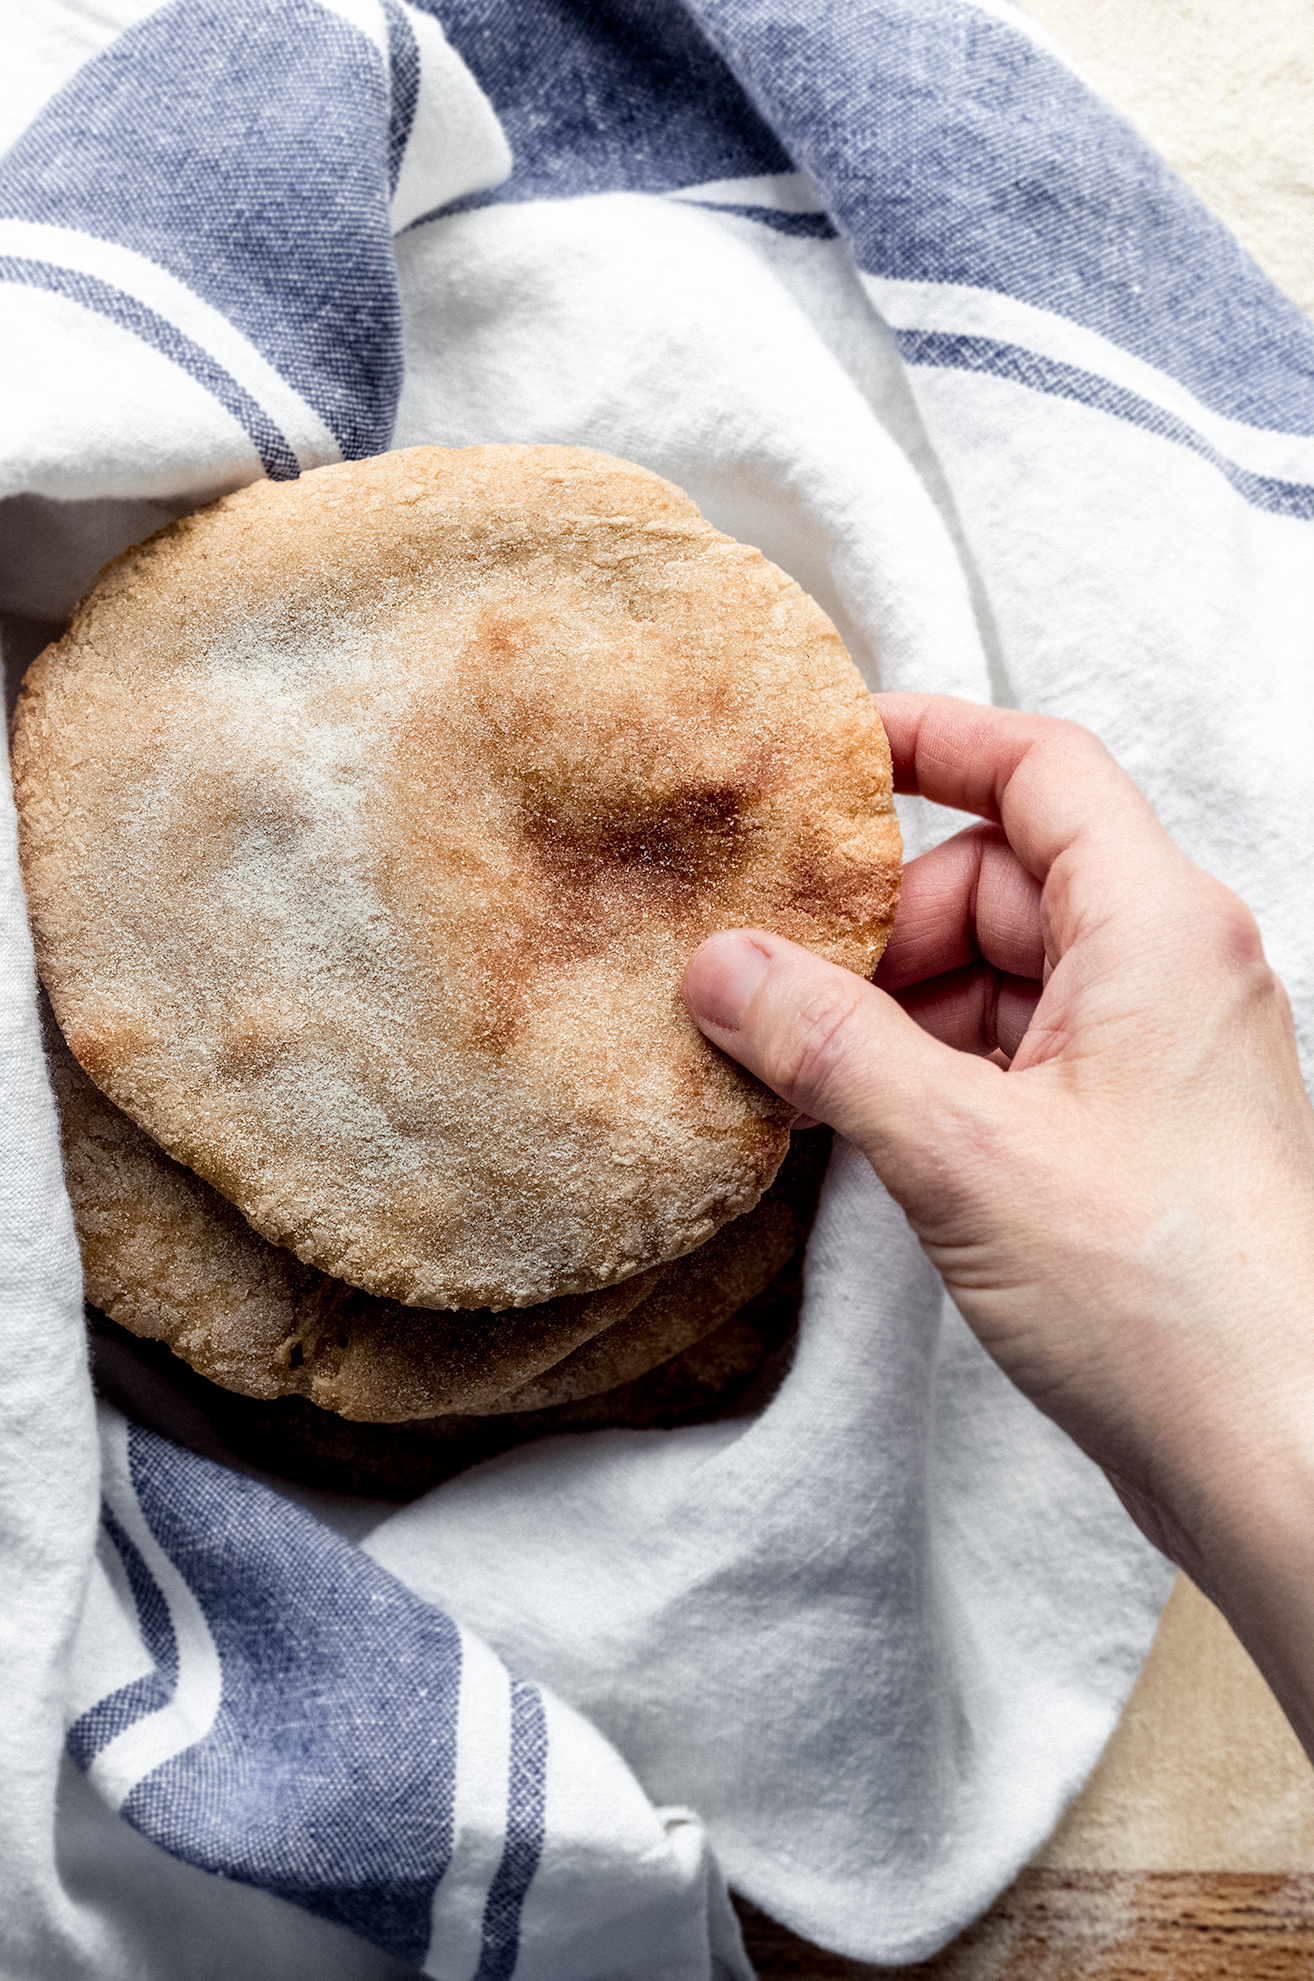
x,y
1125,1213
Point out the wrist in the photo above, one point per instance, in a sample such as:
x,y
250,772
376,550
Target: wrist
x,y
1233,1504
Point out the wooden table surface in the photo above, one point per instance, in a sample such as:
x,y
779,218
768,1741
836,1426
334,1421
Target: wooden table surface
x,y
1097,1926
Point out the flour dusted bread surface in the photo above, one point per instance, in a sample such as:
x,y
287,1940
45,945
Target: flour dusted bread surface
x,y
369,821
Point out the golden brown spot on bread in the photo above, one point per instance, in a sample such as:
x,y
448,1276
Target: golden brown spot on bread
x,y
501,639
665,856
105,1042
253,1035
827,891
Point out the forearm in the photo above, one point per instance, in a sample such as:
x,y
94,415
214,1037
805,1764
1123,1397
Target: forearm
x,y
1231,1500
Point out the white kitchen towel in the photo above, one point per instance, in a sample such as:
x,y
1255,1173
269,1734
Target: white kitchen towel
x,y
897,299
257,1697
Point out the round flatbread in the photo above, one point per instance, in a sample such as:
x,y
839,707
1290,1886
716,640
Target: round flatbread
x,y
167,1257
370,820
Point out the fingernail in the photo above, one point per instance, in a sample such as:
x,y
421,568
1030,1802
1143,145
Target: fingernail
x,y
722,979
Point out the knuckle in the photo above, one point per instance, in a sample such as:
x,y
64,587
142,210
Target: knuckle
x,y
1240,940
1082,750
1061,732
817,1049
1075,736
1221,921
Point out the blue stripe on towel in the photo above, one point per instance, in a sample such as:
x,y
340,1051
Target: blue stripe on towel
x,y
1064,381
329,1774
950,147
107,1719
277,458
243,146
404,58
624,97
526,1823
806,226
246,146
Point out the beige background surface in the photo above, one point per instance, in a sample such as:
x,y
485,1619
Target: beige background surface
x,y
1224,89
1203,1772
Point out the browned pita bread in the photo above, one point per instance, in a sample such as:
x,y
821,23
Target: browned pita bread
x,y
368,822
732,1371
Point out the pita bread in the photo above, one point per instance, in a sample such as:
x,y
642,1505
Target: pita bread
x,y
368,823
731,1372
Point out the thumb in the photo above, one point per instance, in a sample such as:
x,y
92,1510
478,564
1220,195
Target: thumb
x,y
844,1052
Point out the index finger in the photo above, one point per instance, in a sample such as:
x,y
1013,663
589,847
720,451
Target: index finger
x,y
1046,781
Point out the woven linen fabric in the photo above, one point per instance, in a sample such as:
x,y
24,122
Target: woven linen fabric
x,y
897,299
256,1696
